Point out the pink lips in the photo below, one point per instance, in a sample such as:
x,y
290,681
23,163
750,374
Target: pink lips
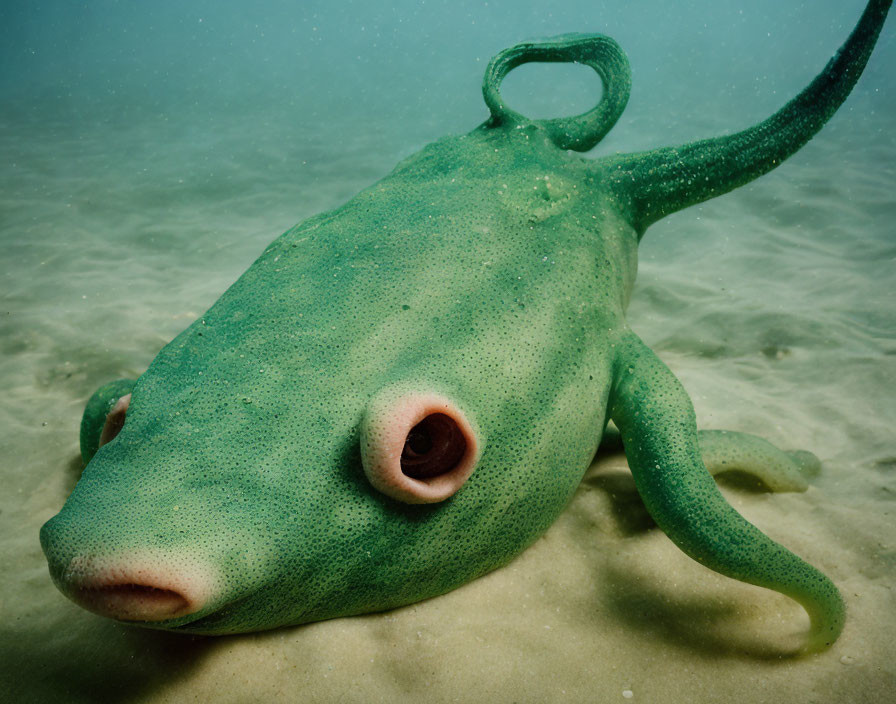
x,y
137,588
133,602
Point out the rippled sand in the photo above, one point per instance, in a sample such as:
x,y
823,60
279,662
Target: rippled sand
x,y
773,305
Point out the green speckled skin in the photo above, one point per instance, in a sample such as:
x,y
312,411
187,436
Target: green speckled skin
x,y
493,268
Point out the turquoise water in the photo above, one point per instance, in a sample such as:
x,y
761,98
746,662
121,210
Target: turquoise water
x,y
151,151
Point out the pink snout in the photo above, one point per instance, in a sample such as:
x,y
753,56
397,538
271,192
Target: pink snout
x,y
137,589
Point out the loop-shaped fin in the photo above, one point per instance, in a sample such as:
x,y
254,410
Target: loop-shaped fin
x,y
579,132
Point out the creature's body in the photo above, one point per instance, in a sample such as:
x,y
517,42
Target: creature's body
x,y
276,465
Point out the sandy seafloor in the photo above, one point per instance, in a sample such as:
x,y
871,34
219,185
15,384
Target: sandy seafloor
x,y
774,305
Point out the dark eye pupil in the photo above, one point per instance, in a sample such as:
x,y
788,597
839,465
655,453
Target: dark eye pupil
x,y
434,446
418,442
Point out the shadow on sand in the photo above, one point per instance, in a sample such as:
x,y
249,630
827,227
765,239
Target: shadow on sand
x,y
101,661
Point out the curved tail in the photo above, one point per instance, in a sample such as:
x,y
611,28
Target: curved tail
x,y
657,183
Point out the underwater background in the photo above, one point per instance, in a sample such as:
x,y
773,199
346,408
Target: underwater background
x,y
151,150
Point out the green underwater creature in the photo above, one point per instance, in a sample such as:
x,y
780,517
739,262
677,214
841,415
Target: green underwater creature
x,y
403,393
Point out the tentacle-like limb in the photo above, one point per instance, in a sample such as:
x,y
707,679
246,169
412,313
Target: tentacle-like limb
x,y
97,411
580,132
656,419
727,450
656,183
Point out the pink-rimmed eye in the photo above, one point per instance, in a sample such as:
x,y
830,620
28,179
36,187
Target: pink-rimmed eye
x,y
115,420
417,447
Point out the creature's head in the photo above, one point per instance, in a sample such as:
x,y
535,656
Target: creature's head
x,y
337,435
397,397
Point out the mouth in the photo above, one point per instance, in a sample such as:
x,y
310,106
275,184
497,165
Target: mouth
x,y
137,588
133,602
